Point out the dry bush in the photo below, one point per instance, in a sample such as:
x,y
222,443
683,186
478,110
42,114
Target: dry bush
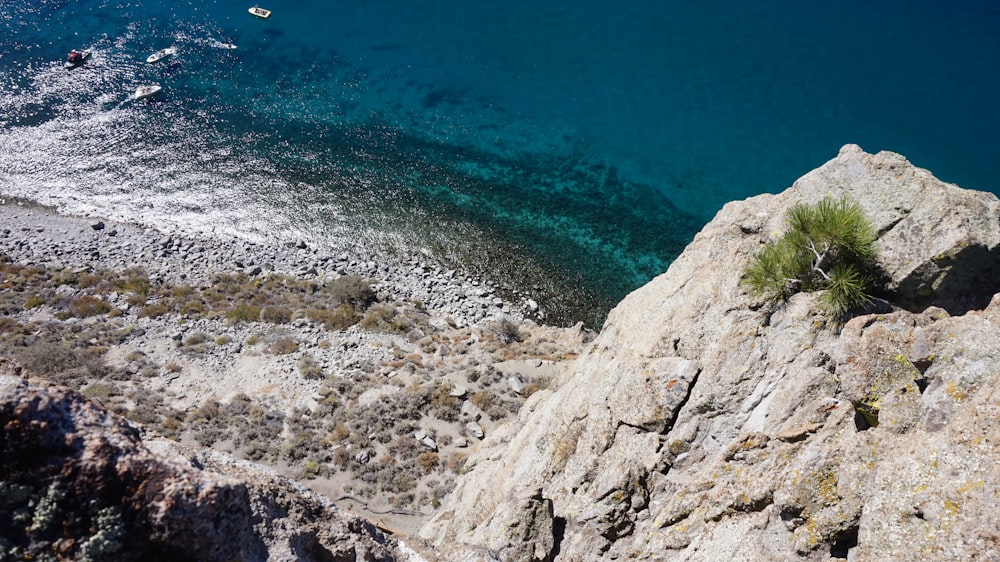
x,y
87,306
208,410
283,346
182,291
276,314
507,331
193,307
351,289
197,339
244,313
88,280
428,462
339,433
484,400
60,362
340,318
154,310
443,405
101,391
379,317
309,368
33,301
456,462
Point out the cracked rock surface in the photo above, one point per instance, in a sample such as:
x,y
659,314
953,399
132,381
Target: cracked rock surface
x,y
703,424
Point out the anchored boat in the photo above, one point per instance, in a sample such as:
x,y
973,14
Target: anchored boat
x,y
160,55
260,12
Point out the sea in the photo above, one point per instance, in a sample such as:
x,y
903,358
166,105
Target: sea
x,y
563,150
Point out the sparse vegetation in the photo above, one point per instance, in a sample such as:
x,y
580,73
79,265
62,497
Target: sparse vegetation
x,y
88,305
507,330
71,350
309,368
283,346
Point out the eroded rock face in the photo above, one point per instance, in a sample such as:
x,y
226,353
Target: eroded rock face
x,y
702,424
77,481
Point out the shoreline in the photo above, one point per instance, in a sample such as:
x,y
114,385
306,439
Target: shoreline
x,y
465,297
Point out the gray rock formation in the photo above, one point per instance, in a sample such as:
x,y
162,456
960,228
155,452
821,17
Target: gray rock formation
x,y
702,424
78,482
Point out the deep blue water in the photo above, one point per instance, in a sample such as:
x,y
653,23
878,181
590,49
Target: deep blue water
x,y
568,149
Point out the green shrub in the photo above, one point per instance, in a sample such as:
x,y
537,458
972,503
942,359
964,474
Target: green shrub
x,y
33,301
829,246
244,313
311,470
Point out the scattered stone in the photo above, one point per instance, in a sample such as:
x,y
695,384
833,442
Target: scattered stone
x,y
475,430
470,410
516,384
429,442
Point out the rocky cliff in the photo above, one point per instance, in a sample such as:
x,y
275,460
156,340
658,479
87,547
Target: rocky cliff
x,y
702,424
78,483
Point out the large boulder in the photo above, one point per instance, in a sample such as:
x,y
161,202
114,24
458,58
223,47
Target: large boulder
x,y
703,424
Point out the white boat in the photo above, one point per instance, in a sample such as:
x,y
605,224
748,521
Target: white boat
x,y
146,90
76,58
160,55
260,12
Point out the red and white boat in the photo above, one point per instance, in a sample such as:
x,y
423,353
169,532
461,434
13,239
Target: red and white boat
x,y
75,58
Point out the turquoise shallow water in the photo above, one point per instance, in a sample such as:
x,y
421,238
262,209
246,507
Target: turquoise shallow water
x,y
567,149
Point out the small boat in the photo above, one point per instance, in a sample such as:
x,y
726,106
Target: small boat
x,y
260,12
75,58
160,55
146,90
